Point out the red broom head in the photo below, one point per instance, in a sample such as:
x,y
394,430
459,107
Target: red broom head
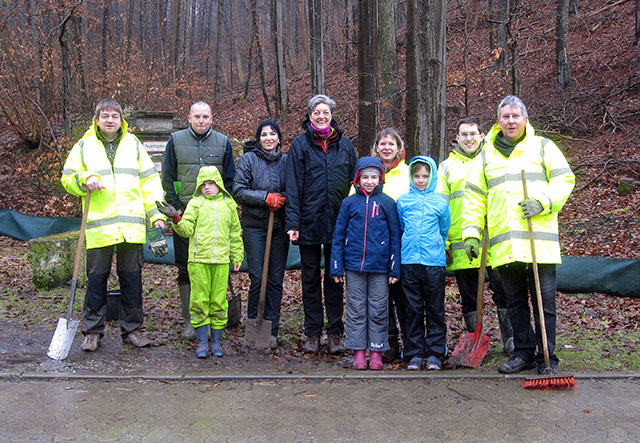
x,y
550,382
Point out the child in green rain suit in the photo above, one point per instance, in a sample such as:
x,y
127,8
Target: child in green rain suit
x,y
211,223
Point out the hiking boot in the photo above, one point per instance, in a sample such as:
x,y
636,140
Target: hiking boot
x,y
375,361
311,344
434,363
551,370
393,352
516,364
91,342
334,341
216,339
415,364
274,343
136,339
359,360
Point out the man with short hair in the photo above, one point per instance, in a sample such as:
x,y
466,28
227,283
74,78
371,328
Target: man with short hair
x,y
494,190
186,152
114,166
452,180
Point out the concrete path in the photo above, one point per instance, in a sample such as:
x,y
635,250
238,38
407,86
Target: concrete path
x,y
317,409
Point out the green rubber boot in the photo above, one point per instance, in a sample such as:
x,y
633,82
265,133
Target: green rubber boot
x,y
185,293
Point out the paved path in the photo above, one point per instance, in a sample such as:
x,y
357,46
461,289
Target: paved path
x,y
299,409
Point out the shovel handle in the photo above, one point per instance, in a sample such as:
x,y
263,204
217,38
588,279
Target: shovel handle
x,y
536,277
78,257
480,292
265,271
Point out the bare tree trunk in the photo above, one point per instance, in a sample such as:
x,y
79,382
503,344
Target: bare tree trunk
x,y
218,46
637,40
502,18
346,36
367,75
316,48
512,46
66,74
562,57
427,26
391,103
256,34
492,25
411,94
277,31
106,35
465,55
176,5
129,27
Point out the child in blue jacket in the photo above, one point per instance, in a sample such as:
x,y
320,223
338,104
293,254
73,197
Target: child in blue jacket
x,y
425,220
366,246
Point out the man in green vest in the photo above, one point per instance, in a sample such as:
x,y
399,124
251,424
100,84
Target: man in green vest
x,y
187,151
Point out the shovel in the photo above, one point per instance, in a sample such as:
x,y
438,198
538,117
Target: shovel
x,y
474,346
257,334
66,328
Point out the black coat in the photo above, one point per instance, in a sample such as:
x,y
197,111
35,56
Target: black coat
x,y
258,173
316,184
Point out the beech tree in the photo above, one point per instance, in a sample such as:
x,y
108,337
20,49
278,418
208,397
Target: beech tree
x,y
316,48
391,100
562,58
367,74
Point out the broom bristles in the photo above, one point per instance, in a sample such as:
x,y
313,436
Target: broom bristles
x,y
550,382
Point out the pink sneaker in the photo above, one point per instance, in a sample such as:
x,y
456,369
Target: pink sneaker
x,y
359,360
375,362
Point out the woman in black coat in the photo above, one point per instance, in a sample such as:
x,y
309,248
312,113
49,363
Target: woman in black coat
x,y
258,187
320,166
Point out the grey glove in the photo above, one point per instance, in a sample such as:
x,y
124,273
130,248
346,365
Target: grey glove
x,y
472,247
157,242
530,207
168,210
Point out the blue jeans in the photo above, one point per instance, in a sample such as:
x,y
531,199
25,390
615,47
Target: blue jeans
x,y
254,248
518,282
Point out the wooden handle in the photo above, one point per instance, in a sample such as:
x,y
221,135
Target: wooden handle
x,y
76,261
265,271
480,292
536,277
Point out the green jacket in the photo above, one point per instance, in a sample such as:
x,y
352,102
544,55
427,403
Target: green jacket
x,y
211,223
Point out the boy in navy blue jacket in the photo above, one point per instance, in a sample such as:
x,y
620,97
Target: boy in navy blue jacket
x,y
425,219
366,245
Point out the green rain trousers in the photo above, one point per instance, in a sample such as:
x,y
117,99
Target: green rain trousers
x,y
208,304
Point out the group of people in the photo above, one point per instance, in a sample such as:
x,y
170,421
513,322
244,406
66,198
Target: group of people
x,y
386,230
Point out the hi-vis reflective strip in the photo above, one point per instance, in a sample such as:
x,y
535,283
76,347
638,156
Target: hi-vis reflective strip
x,y
118,219
523,235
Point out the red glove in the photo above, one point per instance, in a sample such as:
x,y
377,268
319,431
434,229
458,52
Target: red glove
x,y
275,201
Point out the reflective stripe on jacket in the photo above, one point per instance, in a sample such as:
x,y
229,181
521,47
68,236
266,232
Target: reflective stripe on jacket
x,y
119,212
494,189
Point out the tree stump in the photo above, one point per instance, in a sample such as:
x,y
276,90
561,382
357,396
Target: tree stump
x,y
51,260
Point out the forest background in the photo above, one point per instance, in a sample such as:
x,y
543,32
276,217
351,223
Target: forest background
x,y
418,65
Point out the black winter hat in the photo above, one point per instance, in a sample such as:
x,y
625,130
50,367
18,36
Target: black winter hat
x,y
273,125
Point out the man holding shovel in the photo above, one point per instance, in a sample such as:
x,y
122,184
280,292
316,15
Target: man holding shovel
x,y
494,190
187,151
113,165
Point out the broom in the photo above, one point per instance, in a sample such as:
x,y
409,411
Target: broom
x,y
547,380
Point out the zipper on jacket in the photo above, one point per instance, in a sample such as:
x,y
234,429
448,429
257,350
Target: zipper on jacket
x,y
364,247
215,230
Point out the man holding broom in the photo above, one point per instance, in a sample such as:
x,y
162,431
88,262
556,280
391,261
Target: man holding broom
x,y
495,190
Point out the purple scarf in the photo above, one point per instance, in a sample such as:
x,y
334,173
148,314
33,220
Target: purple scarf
x,y
322,133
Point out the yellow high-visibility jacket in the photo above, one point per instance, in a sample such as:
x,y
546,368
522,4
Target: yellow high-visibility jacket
x,y
452,180
494,189
119,212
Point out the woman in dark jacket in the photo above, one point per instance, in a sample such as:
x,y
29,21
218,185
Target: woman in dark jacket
x,y
320,165
258,187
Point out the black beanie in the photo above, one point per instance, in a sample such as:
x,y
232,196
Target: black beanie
x,y
273,125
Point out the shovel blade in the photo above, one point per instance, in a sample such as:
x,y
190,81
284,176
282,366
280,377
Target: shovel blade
x,y
62,339
234,311
471,350
257,335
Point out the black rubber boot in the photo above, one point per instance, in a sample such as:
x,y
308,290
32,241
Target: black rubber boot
x,y
506,331
470,321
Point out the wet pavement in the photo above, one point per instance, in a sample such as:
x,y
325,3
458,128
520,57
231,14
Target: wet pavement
x,y
317,410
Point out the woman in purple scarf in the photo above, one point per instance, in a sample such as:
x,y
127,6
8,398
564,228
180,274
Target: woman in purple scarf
x,y
319,169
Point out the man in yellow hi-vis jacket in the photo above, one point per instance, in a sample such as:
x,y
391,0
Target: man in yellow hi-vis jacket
x,y
494,190
124,185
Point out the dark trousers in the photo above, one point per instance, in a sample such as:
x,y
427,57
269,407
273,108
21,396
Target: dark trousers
x,y
181,255
467,281
310,256
518,282
424,290
129,259
396,309
254,248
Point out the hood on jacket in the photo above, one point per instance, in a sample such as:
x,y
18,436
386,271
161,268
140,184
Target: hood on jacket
x,y
255,147
93,129
210,173
306,125
460,150
433,173
368,162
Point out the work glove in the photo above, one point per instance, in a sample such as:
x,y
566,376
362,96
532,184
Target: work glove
x,y
169,211
530,207
472,247
157,242
275,201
